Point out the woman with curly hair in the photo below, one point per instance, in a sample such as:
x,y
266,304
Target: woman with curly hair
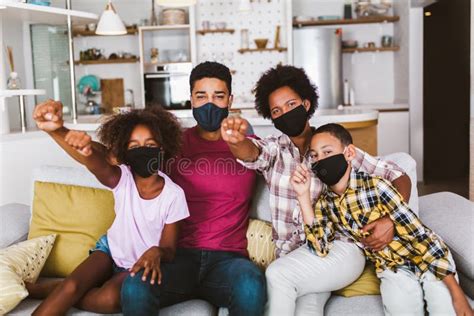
x,y
300,282
126,268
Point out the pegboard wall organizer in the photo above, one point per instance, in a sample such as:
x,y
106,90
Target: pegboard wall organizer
x,y
249,63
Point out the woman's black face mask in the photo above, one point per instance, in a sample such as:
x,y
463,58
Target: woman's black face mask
x,y
292,123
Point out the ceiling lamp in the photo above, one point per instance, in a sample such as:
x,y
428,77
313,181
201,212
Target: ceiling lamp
x,y
110,22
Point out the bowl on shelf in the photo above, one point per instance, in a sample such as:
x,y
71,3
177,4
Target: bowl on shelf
x,y
261,43
350,44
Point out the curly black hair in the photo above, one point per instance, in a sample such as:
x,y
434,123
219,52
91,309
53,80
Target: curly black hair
x,y
211,69
284,76
115,132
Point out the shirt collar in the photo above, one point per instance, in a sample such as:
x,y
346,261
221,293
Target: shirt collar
x,y
352,186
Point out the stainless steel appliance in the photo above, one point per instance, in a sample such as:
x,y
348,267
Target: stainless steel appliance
x,y
318,51
168,86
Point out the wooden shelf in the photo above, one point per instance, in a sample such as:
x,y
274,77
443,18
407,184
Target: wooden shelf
x,y
253,50
44,15
164,27
204,32
107,61
370,49
365,20
130,31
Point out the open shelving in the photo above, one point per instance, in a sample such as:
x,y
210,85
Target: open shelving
x,y
362,20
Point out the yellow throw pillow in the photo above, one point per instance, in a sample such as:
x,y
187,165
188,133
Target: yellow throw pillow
x,y
367,284
19,263
260,243
78,215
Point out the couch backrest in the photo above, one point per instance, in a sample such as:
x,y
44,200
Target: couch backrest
x,y
260,207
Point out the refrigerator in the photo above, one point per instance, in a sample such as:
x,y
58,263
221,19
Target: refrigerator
x,y
318,51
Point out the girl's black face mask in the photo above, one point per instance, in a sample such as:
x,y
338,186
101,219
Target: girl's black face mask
x,y
292,123
144,161
330,170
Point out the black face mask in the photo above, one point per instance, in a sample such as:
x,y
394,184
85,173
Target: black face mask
x,y
330,170
144,161
210,116
292,123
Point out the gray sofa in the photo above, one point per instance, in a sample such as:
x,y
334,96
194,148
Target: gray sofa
x,y
450,215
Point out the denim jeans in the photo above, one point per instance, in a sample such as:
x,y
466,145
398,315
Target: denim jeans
x,y
224,279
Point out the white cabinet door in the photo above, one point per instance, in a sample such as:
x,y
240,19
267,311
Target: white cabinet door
x,y
393,133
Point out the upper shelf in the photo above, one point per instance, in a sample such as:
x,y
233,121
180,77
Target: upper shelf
x,y
204,32
43,14
130,31
364,20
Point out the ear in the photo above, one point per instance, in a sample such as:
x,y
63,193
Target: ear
x,y
350,153
306,105
231,100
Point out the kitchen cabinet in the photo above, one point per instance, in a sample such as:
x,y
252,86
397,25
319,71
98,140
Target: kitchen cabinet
x,y
393,132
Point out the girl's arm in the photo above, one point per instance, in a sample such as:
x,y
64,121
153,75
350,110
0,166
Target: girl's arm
x,y
79,145
150,261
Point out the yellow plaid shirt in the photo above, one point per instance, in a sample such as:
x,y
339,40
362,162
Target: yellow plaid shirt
x,y
365,200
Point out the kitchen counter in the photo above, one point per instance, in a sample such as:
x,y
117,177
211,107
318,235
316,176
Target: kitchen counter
x,y
322,116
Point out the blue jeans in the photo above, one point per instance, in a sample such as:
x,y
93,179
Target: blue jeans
x,y
225,279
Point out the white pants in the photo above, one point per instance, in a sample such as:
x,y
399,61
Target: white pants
x,y
403,294
301,282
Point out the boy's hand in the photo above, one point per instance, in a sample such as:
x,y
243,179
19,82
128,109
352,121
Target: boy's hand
x,y
461,306
234,129
80,141
150,261
48,115
301,180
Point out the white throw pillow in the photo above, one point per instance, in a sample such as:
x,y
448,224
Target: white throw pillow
x,y
21,263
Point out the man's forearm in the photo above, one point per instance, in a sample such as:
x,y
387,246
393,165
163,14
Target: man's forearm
x,y
246,150
403,186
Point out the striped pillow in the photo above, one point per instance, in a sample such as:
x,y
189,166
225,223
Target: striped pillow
x,y
18,264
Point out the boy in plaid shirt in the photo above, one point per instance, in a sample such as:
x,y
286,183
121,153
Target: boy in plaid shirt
x,y
415,265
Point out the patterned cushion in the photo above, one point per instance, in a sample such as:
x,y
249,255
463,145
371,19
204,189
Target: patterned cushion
x,y
260,243
18,264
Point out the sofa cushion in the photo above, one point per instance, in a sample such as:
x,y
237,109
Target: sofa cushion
x,y
14,224
408,164
192,308
357,306
451,216
18,264
78,215
367,284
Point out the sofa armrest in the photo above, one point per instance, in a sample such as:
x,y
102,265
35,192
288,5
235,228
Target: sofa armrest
x,y
14,223
451,217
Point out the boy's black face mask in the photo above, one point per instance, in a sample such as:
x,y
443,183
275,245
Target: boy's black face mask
x,y
330,170
144,161
292,123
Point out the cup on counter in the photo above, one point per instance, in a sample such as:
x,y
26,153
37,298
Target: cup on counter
x,y
386,41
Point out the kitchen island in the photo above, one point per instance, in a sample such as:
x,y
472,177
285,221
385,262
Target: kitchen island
x,y
22,153
361,123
